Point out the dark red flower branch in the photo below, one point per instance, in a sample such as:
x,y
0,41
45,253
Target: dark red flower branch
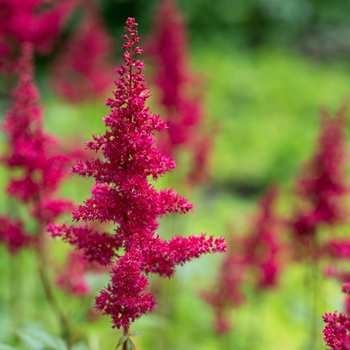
x,y
253,258
36,155
32,21
81,70
227,293
179,95
263,244
322,191
124,196
37,166
323,187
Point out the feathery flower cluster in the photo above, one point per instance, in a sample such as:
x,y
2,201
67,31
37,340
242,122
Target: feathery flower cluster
x,y
263,250
35,155
257,252
123,195
35,21
72,277
81,70
13,235
323,186
338,248
176,84
228,291
337,331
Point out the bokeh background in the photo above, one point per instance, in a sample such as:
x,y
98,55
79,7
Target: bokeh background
x,y
266,69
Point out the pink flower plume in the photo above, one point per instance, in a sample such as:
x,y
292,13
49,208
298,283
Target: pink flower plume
x,y
122,195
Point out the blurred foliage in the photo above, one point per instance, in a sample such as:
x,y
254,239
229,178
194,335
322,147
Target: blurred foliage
x,y
265,103
319,27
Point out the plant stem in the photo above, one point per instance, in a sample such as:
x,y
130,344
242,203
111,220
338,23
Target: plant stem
x,y
125,334
314,293
49,293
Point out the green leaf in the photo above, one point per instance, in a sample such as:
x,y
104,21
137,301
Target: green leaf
x,y
37,339
7,347
122,340
130,345
135,334
29,341
79,346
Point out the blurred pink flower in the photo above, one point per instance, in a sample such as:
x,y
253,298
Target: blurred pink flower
x,y
31,21
82,69
37,162
263,249
72,276
252,258
323,185
227,291
180,96
13,235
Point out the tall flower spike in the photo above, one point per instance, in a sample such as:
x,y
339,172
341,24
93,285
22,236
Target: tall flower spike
x,y
323,185
38,22
34,154
123,196
263,249
81,70
227,292
253,257
179,98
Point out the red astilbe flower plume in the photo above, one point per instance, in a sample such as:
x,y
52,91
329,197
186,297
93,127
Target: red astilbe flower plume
x,y
179,97
337,331
263,249
323,186
123,195
81,72
13,235
338,248
252,258
126,297
227,292
72,276
35,21
39,165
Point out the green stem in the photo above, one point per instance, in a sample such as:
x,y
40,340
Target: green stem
x,y
47,285
314,297
251,326
125,334
225,341
313,292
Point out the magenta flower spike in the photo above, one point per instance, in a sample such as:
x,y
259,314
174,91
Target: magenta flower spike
x,y
32,21
37,163
81,72
263,246
123,196
337,331
72,277
179,93
227,292
323,186
251,258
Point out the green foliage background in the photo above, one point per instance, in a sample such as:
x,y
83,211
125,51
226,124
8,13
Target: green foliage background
x,y
264,95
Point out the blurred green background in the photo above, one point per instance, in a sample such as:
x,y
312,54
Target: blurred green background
x,y
267,68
